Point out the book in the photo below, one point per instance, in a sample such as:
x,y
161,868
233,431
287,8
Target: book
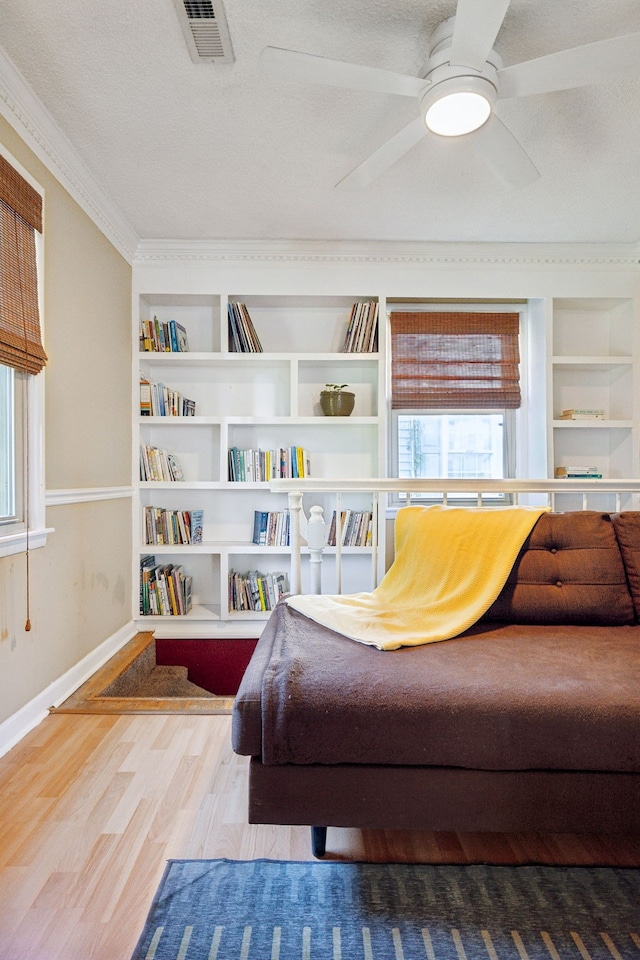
x,y
271,528
156,464
242,333
259,466
256,591
197,519
165,590
581,416
159,400
584,412
171,526
145,397
362,329
355,528
578,473
162,337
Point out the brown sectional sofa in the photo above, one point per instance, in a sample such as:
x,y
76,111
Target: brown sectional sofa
x,y
529,721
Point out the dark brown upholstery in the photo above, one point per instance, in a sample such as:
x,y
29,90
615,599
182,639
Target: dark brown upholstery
x,y
498,697
528,721
569,571
627,529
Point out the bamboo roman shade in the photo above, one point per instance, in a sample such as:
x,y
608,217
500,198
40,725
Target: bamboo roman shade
x,y
20,215
454,360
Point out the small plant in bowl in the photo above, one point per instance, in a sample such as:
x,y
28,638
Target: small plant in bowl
x,y
336,401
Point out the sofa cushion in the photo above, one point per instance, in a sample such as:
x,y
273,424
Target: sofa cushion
x,y
627,529
501,696
570,570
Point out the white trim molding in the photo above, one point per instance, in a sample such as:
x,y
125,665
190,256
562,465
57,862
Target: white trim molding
x,y
27,115
340,251
58,498
18,542
17,726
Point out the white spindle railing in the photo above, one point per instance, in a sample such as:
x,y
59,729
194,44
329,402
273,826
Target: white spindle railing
x,y
311,533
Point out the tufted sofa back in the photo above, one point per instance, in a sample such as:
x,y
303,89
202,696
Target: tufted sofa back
x,y
571,570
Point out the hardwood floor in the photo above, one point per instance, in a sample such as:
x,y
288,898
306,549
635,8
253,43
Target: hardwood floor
x,y
91,807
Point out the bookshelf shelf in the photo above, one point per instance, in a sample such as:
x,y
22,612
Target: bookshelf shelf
x,y
593,365
263,400
592,424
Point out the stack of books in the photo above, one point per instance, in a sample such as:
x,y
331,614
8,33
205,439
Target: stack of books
x,y
157,400
165,590
172,526
578,473
597,413
362,331
161,337
256,466
271,528
255,590
355,529
242,333
157,464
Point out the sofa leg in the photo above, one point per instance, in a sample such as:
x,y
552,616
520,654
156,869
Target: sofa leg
x,y
318,841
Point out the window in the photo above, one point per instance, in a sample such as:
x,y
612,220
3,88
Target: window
x,y
22,357
11,445
451,445
455,391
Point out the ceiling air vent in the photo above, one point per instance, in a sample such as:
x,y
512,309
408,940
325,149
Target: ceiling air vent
x,y
205,29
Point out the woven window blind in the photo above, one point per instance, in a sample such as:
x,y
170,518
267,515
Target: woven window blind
x,y
455,360
20,216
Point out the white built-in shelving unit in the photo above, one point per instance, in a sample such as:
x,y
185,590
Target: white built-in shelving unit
x,y
581,350
593,364
254,401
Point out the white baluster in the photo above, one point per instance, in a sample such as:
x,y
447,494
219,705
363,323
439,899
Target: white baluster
x,y
295,509
316,540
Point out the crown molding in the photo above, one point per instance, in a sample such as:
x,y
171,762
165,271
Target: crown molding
x,y
341,251
25,112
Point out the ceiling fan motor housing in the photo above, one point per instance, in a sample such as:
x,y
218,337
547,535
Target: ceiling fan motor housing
x,y
447,79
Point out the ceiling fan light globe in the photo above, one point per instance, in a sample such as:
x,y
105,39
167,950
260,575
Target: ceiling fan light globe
x,y
455,114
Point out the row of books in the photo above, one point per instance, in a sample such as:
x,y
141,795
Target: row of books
x,y
255,466
575,413
157,464
256,591
362,330
172,526
242,333
158,400
356,529
578,473
163,336
165,590
271,528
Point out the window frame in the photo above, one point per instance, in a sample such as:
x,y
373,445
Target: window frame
x,y
513,454
14,536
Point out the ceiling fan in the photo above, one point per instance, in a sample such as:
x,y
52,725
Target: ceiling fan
x,y
460,84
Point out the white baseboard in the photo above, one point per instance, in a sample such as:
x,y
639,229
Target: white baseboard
x,y
15,727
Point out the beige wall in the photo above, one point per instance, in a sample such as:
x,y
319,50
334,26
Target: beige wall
x,y
80,581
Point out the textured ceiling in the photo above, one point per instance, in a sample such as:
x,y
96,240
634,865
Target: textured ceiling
x,y
202,151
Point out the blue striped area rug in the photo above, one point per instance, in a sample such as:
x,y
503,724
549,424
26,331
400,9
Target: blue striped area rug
x,y
279,910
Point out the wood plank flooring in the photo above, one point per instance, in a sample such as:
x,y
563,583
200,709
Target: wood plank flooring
x,y
91,807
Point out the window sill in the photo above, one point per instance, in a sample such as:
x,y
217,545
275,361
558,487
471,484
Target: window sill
x,y
17,542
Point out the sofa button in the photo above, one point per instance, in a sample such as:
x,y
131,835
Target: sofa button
x,y
558,583
554,549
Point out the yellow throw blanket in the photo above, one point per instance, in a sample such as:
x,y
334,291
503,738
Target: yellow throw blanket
x,y
450,565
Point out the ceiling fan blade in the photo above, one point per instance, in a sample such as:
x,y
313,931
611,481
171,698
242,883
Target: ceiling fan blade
x,y
475,29
385,156
337,73
592,63
503,154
